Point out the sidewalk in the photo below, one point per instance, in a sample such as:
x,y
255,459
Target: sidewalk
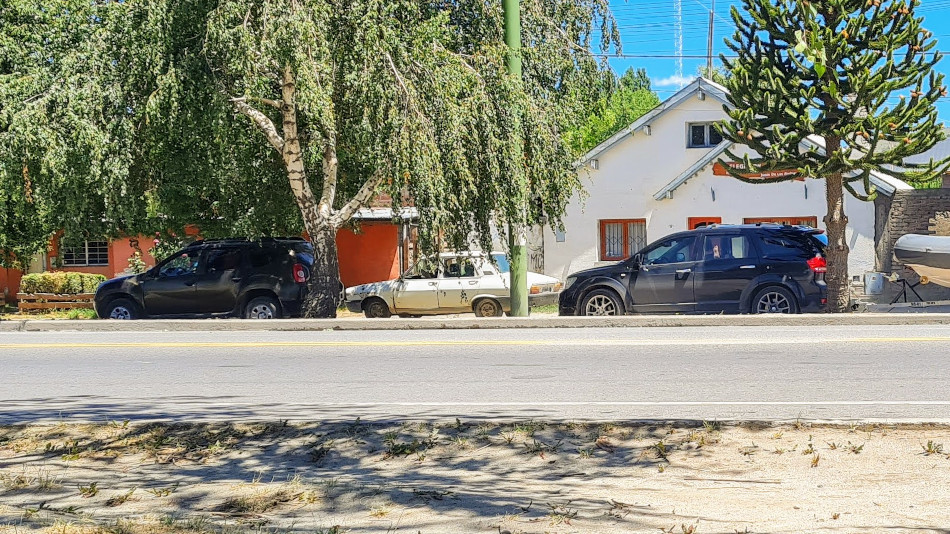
x,y
471,322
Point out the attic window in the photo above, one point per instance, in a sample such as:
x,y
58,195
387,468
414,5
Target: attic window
x,y
703,135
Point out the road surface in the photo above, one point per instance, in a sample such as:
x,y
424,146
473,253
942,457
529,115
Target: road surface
x,y
878,373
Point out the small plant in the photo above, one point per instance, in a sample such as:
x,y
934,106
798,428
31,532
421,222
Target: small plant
x,y
585,454
778,435
163,492
379,512
932,448
712,426
661,452
120,499
815,459
833,446
809,450
561,515
835,516
855,449
89,491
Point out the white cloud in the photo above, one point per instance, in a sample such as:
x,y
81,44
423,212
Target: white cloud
x,y
676,79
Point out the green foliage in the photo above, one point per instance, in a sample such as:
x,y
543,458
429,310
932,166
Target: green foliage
x,y
629,97
120,116
829,70
61,282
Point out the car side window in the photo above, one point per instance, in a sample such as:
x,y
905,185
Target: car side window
x,y
262,257
673,250
785,247
726,247
220,260
459,268
421,270
184,264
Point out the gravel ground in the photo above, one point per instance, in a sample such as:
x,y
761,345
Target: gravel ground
x,y
529,477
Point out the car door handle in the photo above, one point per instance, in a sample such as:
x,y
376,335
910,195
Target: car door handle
x,y
683,271
433,283
747,266
236,279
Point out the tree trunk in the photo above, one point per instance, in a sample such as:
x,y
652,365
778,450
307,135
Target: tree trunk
x,y
323,287
839,295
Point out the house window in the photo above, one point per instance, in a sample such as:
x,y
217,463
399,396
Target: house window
x,y
699,222
621,238
86,254
803,221
703,135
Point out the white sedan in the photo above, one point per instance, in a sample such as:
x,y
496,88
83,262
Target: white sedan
x,y
454,283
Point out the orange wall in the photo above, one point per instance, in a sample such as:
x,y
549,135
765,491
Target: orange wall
x,y
369,256
9,283
120,250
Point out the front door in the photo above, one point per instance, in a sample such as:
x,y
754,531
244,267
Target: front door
x,y
729,265
664,282
219,278
172,290
417,290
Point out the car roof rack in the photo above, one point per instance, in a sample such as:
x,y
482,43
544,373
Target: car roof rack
x,y
244,240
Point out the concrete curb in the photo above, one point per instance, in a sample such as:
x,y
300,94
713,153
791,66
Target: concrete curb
x,y
471,323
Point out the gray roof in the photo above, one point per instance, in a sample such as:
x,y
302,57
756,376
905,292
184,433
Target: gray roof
x,y
940,151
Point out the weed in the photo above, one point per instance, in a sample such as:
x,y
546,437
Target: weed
x,y
461,442
257,503
529,428
712,426
585,454
835,515
815,459
661,452
833,446
778,435
89,491
379,512
163,492
561,515
932,448
508,437
607,428
397,448
855,449
809,450
321,451
120,499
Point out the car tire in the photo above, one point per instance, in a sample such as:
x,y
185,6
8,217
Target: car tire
x,y
376,309
262,308
601,302
488,308
122,309
774,299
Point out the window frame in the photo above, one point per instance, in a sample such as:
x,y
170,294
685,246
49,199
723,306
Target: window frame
x,y
85,254
626,253
707,128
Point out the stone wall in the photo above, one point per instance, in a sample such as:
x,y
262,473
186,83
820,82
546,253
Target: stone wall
x,y
908,212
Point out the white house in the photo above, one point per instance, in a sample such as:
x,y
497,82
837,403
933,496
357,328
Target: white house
x,y
660,176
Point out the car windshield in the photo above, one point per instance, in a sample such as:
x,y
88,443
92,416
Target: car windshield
x,y
502,261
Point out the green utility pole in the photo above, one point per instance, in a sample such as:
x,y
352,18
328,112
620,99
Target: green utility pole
x,y
517,233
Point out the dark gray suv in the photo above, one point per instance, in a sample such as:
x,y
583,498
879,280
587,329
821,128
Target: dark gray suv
x,y
261,279
761,268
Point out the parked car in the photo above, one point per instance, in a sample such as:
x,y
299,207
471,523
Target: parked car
x,y
262,279
761,268
462,282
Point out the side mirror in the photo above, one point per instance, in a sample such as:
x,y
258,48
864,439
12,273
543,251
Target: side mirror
x,y
637,260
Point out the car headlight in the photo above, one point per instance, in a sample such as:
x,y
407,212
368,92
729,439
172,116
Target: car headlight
x,y
569,282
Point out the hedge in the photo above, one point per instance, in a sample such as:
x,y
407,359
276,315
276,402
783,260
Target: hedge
x,y
60,282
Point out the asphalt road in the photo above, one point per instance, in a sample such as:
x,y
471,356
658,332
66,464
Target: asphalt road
x,y
880,373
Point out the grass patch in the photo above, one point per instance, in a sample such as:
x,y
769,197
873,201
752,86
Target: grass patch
x,y
258,502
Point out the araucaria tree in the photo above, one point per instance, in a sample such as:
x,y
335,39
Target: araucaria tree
x,y
251,117
834,90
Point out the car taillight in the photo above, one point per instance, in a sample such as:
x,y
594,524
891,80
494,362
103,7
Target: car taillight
x,y
818,264
300,274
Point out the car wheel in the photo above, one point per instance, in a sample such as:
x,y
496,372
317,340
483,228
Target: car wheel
x,y
376,309
601,302
774,299
122,309
488,308
262,308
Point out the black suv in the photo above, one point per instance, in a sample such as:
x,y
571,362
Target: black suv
x,y
761,268
262,279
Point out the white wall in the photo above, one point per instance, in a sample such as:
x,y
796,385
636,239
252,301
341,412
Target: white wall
x,y
635,169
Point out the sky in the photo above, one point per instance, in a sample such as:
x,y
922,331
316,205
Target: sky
x,y
669,39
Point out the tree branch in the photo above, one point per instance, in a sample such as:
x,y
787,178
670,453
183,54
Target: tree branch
x,y
262,122
359,200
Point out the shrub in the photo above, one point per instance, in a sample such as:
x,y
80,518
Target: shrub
x,y
59,282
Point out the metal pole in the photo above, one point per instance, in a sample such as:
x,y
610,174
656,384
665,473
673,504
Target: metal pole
x,y
517,232
709,44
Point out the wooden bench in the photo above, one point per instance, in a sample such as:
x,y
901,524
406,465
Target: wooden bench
x,y
52,301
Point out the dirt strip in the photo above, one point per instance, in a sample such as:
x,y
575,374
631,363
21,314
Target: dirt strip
x,y
473,476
